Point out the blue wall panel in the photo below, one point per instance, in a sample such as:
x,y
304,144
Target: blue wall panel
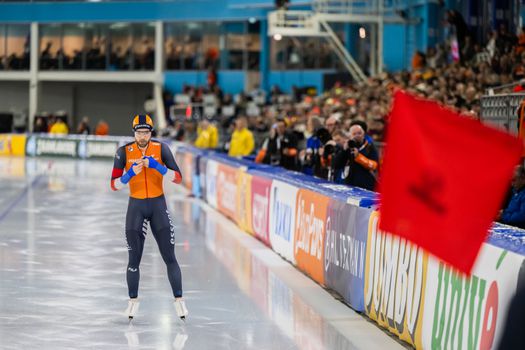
x,y
394,47
286,79
230,81
127,11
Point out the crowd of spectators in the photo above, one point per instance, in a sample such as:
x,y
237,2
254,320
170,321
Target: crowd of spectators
x,y
338,135
95,57
57,124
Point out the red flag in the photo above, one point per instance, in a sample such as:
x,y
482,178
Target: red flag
x,y
444,178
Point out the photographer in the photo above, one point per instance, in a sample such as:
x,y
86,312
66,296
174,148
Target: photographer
x,y
339,156
322,161
280,148
358,163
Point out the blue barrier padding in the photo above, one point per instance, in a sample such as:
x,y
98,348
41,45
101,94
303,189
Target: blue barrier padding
x,y
233,162
343,193
508,238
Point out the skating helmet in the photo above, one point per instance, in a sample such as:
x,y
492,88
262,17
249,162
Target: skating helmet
x,y
142,121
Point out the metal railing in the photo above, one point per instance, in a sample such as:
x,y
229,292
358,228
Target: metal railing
x,y
501,110
368,7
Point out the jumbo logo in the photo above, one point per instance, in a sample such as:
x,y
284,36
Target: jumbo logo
x,y
466,311
309,233
395,276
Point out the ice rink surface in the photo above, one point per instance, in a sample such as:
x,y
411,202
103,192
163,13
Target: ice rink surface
x,y
63,259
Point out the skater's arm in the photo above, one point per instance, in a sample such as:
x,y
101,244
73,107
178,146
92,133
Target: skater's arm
x,y
173,169
119,178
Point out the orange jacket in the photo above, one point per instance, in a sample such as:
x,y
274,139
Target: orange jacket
x,y
148,183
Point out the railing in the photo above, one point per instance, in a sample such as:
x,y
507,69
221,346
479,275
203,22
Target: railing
x,y
368,7
300,22
500,110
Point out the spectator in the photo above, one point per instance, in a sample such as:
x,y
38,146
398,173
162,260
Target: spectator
x,y
361,159
207,135
309,156
280,148
337,167
242,142
59,127
83,127
514,213
102,128
331,124
40,125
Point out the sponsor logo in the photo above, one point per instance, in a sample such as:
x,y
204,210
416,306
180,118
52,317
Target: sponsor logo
x,y
260,212
310,230
130,269
394,284
101,149
56,147
282,214
172,229
466,311
130,149
228,192
343,251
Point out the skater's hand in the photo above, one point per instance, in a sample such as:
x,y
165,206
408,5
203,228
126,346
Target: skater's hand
x,y
152,163
137,168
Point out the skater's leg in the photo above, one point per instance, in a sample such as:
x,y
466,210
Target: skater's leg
x,y
163,231
136,227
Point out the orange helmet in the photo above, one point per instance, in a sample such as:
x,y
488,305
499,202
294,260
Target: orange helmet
x,y
142,121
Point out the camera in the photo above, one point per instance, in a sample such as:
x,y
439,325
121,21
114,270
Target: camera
x,y
352,144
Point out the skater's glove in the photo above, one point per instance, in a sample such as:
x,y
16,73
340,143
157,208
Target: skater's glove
x,y
128,175
152,163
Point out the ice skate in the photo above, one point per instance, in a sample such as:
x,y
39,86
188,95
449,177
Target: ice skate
x,y
180,308
133,308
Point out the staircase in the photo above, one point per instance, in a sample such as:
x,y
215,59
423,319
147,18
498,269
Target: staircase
x,y
317,23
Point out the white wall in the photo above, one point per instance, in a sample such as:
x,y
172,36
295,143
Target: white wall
x,y
14,95
116,103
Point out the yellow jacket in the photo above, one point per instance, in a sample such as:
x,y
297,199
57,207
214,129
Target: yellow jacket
x,y
208,138
59,128
242,143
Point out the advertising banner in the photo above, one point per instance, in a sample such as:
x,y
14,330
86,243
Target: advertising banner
x,y
97,148
260,205
395,279
345,251
12,145
310,218
227,190
469,312
243,214
187,170
202,178
282,219
51,146
212,169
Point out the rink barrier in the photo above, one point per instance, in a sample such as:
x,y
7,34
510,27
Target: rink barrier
x,y
12,145
331,233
